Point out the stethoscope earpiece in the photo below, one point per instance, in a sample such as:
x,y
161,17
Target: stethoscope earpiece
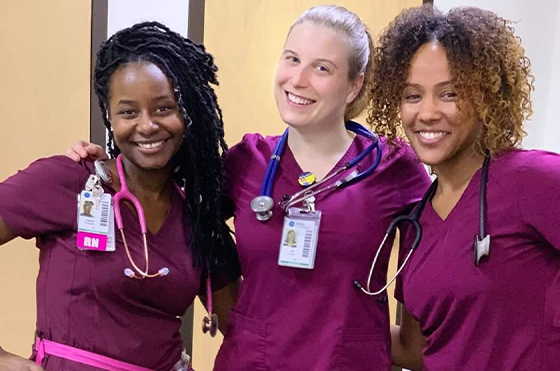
x,y
358,285
129,273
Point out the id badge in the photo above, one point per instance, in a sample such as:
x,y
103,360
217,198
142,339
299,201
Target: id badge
x,y
96,229
300,234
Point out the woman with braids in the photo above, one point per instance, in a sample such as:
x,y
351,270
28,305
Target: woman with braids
x,y
458,84
99,304
289,318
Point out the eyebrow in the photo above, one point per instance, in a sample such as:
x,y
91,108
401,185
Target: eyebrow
x,y
125,101
286,51
163,97
321,60
418,86
156,99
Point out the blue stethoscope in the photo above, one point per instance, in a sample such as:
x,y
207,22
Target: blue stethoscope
x,y
481,241
262,204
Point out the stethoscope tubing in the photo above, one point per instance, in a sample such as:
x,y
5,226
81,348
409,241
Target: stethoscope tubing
x,y
414,219
272,167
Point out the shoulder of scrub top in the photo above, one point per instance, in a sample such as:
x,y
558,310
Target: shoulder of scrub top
x,y
35,200
523,170
252,150
532,178
53,171
253,147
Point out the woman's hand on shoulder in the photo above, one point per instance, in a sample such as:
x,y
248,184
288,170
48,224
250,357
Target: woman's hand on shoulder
x,y
82,150
11,362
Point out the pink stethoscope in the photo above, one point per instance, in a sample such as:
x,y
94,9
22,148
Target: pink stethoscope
x,y
209,323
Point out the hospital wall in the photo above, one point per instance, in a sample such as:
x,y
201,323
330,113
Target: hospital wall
x,y
538,25
44,101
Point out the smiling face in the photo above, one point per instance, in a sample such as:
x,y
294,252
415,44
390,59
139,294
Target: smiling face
x,y
144,115
438,131
311,85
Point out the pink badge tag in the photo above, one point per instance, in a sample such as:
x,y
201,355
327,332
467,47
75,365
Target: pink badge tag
x,y
91,241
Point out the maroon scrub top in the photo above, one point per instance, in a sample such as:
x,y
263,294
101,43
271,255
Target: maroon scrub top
x,y
504,314
299,319
84,300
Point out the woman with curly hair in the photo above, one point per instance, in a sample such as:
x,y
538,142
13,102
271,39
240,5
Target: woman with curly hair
x,y
458,85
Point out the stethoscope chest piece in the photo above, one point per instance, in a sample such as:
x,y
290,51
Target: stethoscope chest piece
x,y
481,248
210,324
262,206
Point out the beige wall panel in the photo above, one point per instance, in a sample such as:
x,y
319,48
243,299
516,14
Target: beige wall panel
x,y
44,100
246,38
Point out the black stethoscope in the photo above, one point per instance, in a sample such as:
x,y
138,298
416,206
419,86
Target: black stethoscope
x,y
481,245
262,204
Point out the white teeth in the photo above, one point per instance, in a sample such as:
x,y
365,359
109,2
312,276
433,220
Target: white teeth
x,y
150,145
430,135
297,100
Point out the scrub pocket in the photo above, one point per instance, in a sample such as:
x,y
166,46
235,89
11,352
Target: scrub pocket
x,y
244,347
362,349
551,360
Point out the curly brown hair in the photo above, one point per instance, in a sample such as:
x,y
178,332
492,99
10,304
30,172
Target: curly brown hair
x,y
488,66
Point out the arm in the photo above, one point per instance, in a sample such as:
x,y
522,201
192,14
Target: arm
x,y
82,150
223,300
11,362
407,342
6,234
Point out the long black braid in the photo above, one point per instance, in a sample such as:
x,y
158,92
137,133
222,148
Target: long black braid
x,y
200,159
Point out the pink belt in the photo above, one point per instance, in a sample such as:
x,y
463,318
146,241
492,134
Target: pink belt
x,y
83,356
